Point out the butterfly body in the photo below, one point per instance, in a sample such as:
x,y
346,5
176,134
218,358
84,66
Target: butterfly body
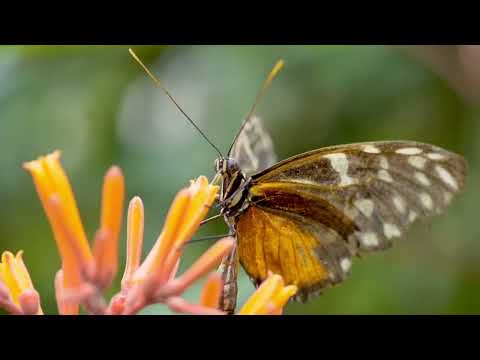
x,y
306,217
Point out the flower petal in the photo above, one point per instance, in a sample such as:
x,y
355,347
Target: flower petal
x,y
154,262
9,278
209,260
212,290
202,195
180,305
135,226
106,252
61,185
17,285
74,266
258,303
30,302
280,299
56,195
21,274
64,307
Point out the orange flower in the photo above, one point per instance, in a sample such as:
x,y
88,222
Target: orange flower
x,y
106,240
17,293
154,280
79,264
187,211
86,273
135,222
270,297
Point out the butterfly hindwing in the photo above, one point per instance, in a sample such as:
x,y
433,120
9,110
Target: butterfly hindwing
x,y
332,203
274,241
253,149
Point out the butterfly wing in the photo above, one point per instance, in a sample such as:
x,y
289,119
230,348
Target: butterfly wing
x,y
253,148
306,253
346,200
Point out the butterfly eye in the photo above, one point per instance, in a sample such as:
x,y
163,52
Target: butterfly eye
x,y
218,164
231,164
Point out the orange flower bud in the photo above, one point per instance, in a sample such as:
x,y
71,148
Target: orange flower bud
x,y
106,242
135,225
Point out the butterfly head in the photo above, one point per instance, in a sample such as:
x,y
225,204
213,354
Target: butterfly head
x,y
231,180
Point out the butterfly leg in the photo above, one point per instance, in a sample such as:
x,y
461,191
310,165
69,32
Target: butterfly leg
x,y
228,271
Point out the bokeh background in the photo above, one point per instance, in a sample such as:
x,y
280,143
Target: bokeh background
x,y
97,106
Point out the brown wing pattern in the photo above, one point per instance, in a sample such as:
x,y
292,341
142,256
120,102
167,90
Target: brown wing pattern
x,y
382,186
344,200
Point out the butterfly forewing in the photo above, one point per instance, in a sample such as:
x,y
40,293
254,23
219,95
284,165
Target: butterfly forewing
x,y
253,149
353,198
382,186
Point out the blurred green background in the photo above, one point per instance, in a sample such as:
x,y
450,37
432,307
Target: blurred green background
x,y
97,106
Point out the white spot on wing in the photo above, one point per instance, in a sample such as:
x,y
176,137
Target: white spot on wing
x,y
345,264
417,162
422,178
446,177
399,203
409,151
391,230
369,239
435,156
426,200
383,162
371,149
384,175
339,163
365,206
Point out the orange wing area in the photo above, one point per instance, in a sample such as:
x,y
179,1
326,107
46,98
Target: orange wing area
x,y
267,241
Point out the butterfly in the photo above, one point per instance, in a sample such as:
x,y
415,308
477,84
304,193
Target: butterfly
x,y
308,216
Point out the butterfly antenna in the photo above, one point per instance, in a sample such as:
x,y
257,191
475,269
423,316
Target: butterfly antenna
x,y
159,84
266,84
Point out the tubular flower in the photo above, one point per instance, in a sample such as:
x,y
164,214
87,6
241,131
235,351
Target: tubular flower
x,y
17,294
106,240
83,271
270,297
154,280
135,223
87,271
